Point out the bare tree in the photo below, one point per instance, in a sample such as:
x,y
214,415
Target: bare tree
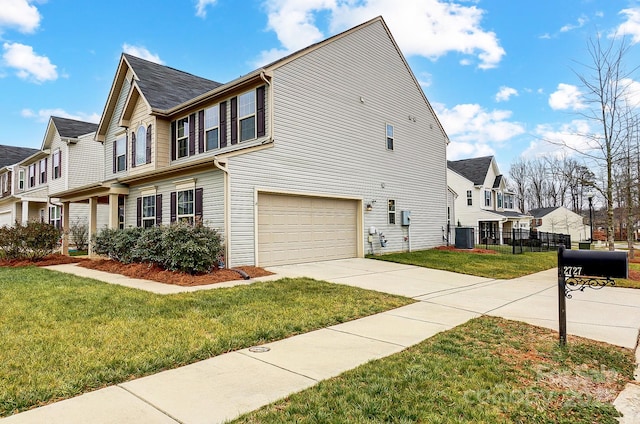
x,y
519,179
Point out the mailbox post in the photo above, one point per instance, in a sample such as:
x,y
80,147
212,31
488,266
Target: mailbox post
x,y
579,269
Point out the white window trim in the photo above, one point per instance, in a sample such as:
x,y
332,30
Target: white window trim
x,y
21,179
487,192
122,137
185,137
186,184
243,117
469,197
141,146
57,216
207,129
386,133
42,167
190,217
391,212
144,218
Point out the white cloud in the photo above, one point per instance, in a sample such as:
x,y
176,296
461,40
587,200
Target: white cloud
x,y
43,115
632,25
457,150
470,123
429,28
570,27
19,14
561,140
505,93
201,7
566,97
28,64
142,53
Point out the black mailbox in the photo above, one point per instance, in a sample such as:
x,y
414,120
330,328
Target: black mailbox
x,y
591,263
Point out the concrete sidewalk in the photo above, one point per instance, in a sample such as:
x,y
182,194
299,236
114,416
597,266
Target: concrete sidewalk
x,y
226,386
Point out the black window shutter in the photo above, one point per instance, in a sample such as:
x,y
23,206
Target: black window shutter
x,y
139,211
198,205
126,146
223,124
158,209
192,134
148,159
173,140
260,111
115,161
173,207
133,150
234,120
59,163
45,169
201,131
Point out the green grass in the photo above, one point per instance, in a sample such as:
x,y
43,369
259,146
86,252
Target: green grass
x,y
488,370
62,335
631,284
497,265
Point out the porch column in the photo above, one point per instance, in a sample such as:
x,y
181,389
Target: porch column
x,y
65,228
500,229
93,220
113,211
25,212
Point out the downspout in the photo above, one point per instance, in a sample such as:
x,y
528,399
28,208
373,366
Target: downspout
x,y
227,208
264,78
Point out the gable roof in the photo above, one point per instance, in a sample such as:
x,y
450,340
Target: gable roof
x,y
10,155
71,128
540,212
474,169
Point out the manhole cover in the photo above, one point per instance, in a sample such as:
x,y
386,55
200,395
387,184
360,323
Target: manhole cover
x,y
259,349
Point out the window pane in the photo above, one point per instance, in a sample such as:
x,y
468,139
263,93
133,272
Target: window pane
x,y
183,127
183,148
389,130
247,104
141,146
120,146
212,117
212,139
149,206
248,128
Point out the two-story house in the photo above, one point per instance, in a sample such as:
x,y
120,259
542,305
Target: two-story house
x,y
484,201
12,182
67,159
327,153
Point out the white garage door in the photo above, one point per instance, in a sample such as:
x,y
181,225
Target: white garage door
x,y
297,229
5,218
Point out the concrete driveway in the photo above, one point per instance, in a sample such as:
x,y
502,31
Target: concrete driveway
x,y
610,314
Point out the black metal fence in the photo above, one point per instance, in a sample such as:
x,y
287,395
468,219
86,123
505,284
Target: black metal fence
x,y
519,240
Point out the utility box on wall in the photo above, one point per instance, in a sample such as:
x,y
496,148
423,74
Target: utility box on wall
x,y
405,218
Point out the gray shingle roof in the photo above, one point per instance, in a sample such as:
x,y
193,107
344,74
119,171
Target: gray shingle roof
x,y
166,87
540,212
10,155
474,169
71,128
510,214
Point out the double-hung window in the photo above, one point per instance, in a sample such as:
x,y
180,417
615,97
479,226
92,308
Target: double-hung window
x,y
56,165
32,175
487,198
469,198
43,171
185,206
212,127
182,137
4,180
148,211
21,179
389,137
121,154
55,216
499,199
392,211
141,146
247,115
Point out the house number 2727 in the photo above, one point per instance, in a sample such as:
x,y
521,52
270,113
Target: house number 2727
x,y
572,271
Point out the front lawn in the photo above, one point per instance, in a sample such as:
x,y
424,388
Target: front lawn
x,y
499,265
62,335
488,370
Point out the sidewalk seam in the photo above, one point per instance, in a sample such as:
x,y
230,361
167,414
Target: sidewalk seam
x,y
150,404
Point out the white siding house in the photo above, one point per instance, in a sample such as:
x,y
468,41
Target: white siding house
x,y
560,220
319,155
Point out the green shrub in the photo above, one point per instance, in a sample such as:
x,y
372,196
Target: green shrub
x,y
179,247
32,241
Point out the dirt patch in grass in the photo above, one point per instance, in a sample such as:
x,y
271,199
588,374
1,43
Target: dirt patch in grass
x,y
55,259
634,275
155,273
453,249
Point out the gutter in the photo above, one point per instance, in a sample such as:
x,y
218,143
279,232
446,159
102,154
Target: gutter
x,y
227,207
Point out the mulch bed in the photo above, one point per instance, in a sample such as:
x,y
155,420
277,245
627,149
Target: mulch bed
x,y
155,273
143,271
480,251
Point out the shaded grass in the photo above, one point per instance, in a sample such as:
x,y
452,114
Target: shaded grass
x,y
497,265
488,370
632,284
62,335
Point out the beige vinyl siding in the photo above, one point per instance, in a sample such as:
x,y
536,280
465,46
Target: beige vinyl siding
x,y
212,199
59,184
162,142
84,162
139,117
329,140
113,130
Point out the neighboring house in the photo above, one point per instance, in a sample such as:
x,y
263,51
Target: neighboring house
x,y
483,201
297,161
67,159
560,220
12,181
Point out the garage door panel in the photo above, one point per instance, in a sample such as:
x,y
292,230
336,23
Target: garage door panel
x,y
296,229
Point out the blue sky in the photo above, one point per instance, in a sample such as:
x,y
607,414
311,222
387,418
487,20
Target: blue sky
x,y
500,74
